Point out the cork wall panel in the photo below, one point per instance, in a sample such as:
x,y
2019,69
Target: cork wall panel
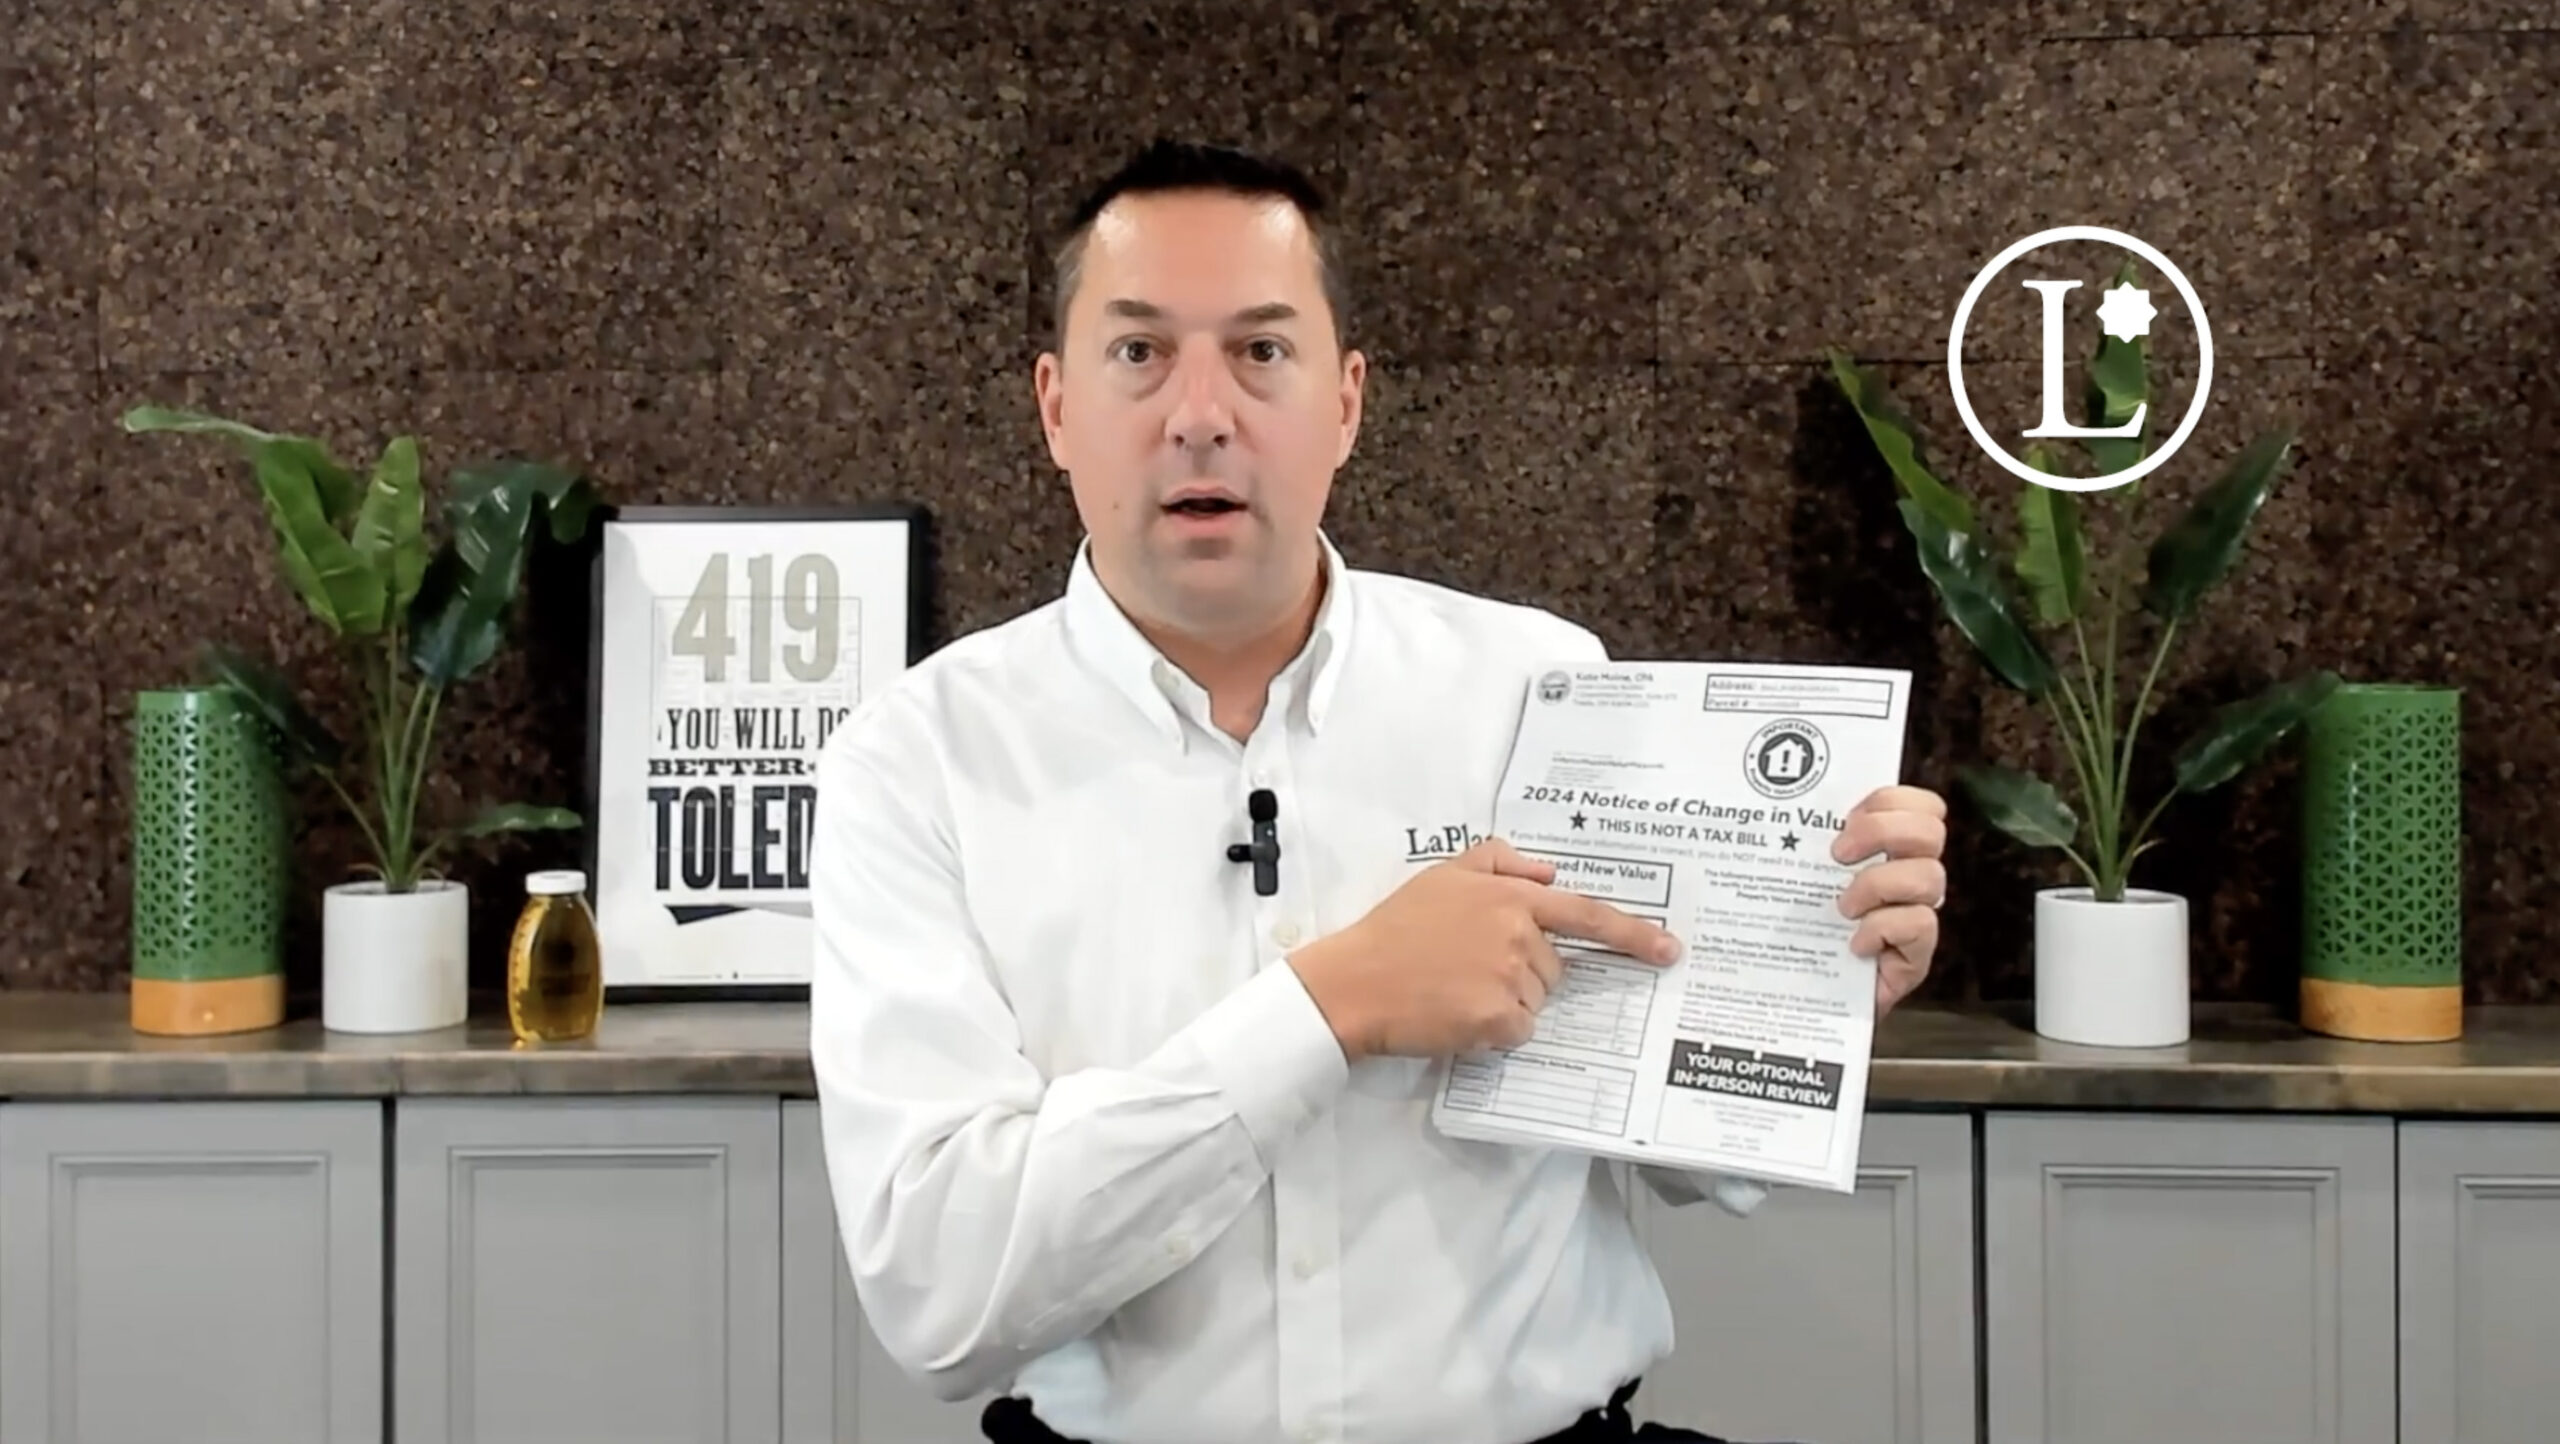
x,y
1492,133
2441,153
783,251
251,199
49,225
1105,79
49,431
1532,483
61,885
900,184
1821,193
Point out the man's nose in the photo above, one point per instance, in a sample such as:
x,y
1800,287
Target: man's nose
x,y
1203,416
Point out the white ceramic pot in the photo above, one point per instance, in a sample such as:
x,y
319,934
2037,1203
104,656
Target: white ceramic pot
x,y
2112,973
394,962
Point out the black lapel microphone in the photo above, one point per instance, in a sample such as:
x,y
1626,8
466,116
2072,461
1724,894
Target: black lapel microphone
x,y
1262,806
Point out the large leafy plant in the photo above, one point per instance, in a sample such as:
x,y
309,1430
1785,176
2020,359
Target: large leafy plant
x,y
413,615
2100,604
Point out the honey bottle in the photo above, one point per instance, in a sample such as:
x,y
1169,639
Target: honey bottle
x,y
555,966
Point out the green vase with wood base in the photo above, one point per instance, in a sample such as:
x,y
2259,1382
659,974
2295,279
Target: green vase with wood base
x,y
2382,864
212,863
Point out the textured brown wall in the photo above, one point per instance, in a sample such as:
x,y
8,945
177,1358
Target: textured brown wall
x,y
781,250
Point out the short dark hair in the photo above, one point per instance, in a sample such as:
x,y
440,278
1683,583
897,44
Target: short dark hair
x,y
1165,165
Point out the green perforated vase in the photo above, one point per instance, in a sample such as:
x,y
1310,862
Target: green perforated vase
x,y
212,855
2382,863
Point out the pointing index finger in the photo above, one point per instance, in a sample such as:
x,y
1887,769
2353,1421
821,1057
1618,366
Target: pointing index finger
x,y
1579,916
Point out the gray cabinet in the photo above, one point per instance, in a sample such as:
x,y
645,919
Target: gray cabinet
x,y
1823,1315
2479,1281
655,1268
587,1269
2205,1278
839,1386
190,1270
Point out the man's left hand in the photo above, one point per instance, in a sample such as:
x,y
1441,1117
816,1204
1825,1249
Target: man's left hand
x,y
1896,901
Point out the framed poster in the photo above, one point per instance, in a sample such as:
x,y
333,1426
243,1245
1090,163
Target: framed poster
x,y
727,642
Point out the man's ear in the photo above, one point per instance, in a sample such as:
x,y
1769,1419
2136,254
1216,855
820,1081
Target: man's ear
x,y
1355,379
1049,394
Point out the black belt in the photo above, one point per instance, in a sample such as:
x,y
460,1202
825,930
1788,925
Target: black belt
x,y
1010,1421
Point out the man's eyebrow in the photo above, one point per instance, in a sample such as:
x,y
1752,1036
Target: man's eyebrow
x,y
1264,314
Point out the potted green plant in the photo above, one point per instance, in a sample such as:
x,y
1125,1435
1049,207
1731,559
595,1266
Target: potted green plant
x,y
412,615
2110,957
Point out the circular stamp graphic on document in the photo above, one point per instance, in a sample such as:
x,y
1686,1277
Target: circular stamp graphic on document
x,y
1553,686
1786,758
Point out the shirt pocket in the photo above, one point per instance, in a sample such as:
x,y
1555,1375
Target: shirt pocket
x,y
1104,932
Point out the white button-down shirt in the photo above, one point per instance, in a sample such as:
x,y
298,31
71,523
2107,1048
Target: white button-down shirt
x,y
1089,1139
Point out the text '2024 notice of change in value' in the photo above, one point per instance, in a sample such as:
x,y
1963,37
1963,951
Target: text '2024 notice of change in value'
x,y
1704,796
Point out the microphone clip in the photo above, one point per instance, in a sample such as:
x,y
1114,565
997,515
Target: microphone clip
x,y
1262,808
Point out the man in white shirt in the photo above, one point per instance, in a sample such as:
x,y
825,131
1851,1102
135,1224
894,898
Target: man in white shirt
x,y
1110,1130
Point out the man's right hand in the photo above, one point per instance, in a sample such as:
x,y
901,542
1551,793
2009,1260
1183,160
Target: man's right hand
x,y
1458,958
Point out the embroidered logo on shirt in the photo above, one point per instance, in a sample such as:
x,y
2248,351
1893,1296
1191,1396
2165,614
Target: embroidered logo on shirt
x,y
1430,844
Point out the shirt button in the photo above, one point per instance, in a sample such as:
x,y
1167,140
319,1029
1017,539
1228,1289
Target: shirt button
x,y
1306,1265
1176,1245
1286,935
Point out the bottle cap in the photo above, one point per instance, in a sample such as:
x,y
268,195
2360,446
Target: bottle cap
x,y
558,880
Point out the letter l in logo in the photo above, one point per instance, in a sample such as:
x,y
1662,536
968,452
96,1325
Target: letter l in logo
x,y
2056,421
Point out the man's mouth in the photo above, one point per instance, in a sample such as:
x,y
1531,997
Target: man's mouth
x,y
1203,504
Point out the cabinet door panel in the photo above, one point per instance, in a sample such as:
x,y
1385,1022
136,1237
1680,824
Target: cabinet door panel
x,y
191,1270
2479,1281
1828,1316
2159,1276
589,1269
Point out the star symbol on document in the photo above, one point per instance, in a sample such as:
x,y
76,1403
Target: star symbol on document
x,y
2126,312
1577,820
1789,841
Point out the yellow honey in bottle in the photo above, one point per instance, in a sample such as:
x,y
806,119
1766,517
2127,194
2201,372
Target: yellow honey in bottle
x,y
555,968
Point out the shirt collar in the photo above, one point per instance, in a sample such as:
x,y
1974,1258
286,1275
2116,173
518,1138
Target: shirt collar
x,y
1102,634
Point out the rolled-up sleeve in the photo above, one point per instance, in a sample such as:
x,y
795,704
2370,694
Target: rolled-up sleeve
x,y
990,1213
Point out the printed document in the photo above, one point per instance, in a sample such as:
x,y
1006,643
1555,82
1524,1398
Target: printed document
x,y
1704,796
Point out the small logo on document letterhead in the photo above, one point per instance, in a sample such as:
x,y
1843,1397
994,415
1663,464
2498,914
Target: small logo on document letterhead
x,y
1786,758
2126,313
1554,686
1431,844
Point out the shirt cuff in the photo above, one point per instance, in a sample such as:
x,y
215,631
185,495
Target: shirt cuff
x,y
1681,1187
1272,1053
1738,1196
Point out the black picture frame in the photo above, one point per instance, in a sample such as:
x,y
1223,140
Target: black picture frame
x,y
920,591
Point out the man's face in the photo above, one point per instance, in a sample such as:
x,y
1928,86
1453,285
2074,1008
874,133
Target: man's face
x,y
1200,406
